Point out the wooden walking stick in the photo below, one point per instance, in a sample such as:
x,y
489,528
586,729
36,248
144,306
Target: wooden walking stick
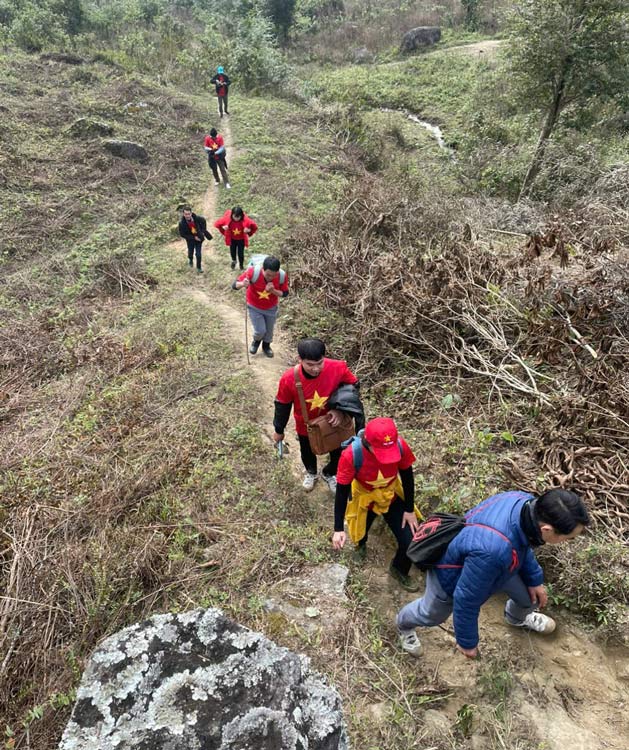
x,y
247,332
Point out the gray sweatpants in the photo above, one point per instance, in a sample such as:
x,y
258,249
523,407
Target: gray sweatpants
x,y
435,606
263,322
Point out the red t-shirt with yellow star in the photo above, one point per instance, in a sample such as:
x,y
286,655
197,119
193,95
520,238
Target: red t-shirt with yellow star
x,y
257,294
317,390
372,474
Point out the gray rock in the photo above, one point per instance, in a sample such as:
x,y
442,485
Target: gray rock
x,y
437,722
321,589
422,36
362,56
84,128
127,150
197,680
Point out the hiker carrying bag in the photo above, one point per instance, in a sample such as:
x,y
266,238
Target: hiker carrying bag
x,y
322,437
432,538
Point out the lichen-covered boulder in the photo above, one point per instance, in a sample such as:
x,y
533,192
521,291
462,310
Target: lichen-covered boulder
x,y
199,681
127,150
422,36
84,128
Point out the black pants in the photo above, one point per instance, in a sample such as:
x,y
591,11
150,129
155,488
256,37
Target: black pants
x,y
309,459
238,247
404,536
194,248
216,165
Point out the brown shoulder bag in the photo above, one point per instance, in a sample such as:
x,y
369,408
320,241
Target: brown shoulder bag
x,y
322,437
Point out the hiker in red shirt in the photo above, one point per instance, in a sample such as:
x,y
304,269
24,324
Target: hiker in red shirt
x,y
376,469
266,283
193,228
237,228
221,82
217,156
319,377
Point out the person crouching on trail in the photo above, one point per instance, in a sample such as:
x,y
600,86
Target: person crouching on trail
x,y
193,229
265,285
376,469
494,552
236,227
320,377
221,82
217,156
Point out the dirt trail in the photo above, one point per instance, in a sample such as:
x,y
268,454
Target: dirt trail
x,y
568,689
487,46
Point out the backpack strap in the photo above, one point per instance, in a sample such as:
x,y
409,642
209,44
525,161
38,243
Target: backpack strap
x,y
300,394
282,275
257,270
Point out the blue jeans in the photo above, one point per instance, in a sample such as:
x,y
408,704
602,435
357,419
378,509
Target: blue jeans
x,y
435,606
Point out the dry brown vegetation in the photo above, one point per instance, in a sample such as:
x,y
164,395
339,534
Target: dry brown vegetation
x,y
532,334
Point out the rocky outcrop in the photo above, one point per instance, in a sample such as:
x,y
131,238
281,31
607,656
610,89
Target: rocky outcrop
x,y
86,128
199,681
127,150
422,36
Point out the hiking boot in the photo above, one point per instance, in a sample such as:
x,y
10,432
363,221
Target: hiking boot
x,y
217,183
228,186
255,345
330,480
199,270
405,581
535,621
309,481
233,264
359,554
410,642
266,348
190,263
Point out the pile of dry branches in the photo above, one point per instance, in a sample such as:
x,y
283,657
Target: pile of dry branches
x,y
538,329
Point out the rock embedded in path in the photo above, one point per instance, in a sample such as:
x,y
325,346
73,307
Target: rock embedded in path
x,y
422,36
200,681
316,601
126,150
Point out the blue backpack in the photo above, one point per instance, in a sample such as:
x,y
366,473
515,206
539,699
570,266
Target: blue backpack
x,y
256,262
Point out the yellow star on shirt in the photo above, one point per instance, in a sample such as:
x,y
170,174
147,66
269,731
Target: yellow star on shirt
x,y
379,481
236,231
264,294
317,401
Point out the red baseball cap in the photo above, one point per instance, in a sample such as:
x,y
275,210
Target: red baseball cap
x,y
381,434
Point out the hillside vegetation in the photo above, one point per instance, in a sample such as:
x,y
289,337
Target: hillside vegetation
x,y
135,477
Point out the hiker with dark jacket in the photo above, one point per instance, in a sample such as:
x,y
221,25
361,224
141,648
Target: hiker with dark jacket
x,y
494,552
193,229
236,227
222,83
217,156
266,283
375,474
322,380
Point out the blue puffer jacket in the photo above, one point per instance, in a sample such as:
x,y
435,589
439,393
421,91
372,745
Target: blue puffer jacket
x,y
479,561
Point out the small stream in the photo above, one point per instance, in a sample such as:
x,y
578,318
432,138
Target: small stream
x,y
434,130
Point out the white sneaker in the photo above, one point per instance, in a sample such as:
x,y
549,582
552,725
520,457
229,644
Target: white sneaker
x,y
217,183
537,622
410,642
330,481
228,186
309,481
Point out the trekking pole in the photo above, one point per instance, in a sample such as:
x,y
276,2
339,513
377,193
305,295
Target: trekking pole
x,y
246,333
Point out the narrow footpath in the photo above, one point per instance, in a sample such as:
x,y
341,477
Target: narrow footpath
x,y
569,690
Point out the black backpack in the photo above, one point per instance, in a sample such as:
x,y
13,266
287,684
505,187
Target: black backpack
x,y
432,538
